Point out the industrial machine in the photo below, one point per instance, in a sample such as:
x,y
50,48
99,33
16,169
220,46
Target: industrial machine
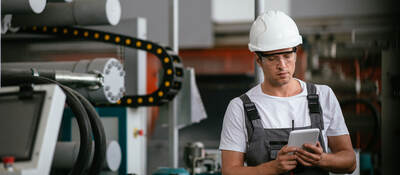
x,y
91,154
201,162
101,80
110,138
29,127
66,154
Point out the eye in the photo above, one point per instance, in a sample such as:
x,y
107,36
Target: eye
x,y
273,58
287,56
270,58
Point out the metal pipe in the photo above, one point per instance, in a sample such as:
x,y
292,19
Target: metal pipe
x,y
258,10
79,12
111,71
336,51
22,6
174,25
1,30
348,86
93,80
172,105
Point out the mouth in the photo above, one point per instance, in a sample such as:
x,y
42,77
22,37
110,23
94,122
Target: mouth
x,y
283,74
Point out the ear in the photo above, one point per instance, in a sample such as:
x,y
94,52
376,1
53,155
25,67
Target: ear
x,y
259,61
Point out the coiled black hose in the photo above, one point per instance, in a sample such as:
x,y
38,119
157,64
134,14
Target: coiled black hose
x,y
98,134
84,113
82,162
97,131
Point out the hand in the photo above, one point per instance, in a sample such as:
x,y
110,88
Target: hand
x,y
311,155
284,161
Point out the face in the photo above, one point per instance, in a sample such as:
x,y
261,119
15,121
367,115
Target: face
x,y
278,65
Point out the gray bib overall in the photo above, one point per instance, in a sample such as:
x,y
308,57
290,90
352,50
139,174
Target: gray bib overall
x,y
263,145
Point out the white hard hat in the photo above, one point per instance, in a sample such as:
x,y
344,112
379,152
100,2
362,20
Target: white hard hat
x,y
273,30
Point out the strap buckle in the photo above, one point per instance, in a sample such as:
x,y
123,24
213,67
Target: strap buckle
x,y
313,103
251,110
312,97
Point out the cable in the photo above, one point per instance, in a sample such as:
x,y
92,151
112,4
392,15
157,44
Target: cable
x,y
97,130
85,149
10,77
98,134
94,119
15,76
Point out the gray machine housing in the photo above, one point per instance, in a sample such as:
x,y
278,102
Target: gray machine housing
x,y
110,69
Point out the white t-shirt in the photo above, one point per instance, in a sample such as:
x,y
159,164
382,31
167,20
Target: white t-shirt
x,y
278,112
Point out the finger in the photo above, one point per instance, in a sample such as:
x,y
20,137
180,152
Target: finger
x,y
313,148
292,162
287,157
318,144
306,159
289,149
303,162
289,167
315,157
282,151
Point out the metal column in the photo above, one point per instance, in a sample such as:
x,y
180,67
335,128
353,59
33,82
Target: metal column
x,y
172,106
390,114
258,10
1,31
173,28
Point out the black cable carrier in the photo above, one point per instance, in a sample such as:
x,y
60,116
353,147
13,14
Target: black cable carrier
x,y
171,63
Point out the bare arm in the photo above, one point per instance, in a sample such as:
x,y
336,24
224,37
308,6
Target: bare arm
x,y
233,163
341,160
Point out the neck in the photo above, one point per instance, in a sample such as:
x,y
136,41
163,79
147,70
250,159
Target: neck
x,y
291,88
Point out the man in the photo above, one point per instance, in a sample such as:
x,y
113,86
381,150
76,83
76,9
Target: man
x,y
257,124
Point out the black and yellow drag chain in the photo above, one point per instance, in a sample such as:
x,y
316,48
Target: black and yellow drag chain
x,y
171,63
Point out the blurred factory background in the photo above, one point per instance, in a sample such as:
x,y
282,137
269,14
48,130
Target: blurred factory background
x,y
158,76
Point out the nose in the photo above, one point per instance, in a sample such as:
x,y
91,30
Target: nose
x,y
281,63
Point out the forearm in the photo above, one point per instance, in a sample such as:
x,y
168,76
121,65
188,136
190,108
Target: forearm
x,y
339,162
263,169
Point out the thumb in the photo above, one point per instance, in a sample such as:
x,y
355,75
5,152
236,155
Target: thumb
x,y
283,150
318,144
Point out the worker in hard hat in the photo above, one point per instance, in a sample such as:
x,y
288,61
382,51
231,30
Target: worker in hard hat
x,y
257,124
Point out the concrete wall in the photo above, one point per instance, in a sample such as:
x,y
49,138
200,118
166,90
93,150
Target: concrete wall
x,y
340,8
243,10
195,24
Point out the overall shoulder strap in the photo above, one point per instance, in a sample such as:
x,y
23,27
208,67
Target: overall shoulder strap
x,y
316,115
314,107
252,117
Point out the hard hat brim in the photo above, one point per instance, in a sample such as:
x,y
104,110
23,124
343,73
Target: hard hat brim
x,y
295,41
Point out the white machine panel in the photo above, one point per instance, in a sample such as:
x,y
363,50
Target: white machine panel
x,y
30,129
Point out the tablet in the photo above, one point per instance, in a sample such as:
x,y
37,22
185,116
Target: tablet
x,y
299,137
